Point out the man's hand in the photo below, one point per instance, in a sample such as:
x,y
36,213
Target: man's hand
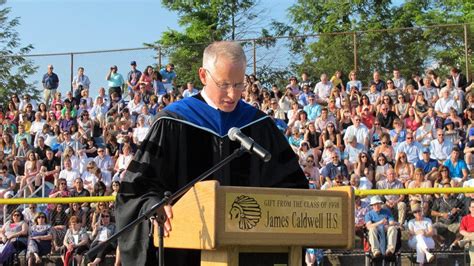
x,y
169,216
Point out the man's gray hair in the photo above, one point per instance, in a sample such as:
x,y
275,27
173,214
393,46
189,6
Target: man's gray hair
x,y
230,50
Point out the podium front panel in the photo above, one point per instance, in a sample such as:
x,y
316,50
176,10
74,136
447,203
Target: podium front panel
x,y
293,217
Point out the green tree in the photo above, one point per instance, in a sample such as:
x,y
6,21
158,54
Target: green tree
x,y
339,23
204,22
14,68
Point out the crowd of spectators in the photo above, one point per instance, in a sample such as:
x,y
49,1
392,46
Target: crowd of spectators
x,y
74,145
383,134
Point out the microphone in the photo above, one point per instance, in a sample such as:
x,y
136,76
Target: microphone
x,y
249,144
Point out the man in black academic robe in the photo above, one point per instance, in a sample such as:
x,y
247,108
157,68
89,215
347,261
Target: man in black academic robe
x,y
188,138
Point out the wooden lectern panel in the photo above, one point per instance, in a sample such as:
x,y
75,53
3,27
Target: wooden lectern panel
x,y
194,219
211,217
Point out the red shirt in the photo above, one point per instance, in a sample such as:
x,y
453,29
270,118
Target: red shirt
x,y
412,124
368,121
467,223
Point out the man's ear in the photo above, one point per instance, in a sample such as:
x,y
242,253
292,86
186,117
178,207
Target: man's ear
x,y
202,75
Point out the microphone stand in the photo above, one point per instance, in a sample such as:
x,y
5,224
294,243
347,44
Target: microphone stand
x,y
159,208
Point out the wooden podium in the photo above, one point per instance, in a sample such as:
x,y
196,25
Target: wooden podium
x,y
229,224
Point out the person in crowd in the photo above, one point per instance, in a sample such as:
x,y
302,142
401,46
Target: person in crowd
x,y
379,83
313,109
102,230
457,167
447,211
80,82
14,235
322,90
386,117
466,229
440,147
39,240
382,230
411,148
50,84
421,234
428,165
385,148
115,81
75,242
395,203
357,130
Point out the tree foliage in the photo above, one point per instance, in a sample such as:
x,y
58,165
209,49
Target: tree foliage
x,y
204,22
339,24
14,68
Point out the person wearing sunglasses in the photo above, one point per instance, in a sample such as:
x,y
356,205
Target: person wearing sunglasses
x,y
13,235
102,230
39,241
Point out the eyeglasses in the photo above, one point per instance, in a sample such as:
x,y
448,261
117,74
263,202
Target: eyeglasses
x,y
310,161
444,170
63,184
384,142
226,86
105,216
381,159
409,137
363,156
16,214
389,82
42,217
441,135
100,151
330,125
384,109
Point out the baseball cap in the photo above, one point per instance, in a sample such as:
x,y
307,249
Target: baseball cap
x,y
426,150
133,63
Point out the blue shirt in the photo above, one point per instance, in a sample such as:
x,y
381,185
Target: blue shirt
x,y
427,166
373,216
313,111
50,82
455,171
115,80
169,76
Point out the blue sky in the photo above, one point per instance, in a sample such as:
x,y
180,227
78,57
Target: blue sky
x,y
55,26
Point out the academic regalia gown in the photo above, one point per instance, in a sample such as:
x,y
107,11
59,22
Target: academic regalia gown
x,y
187,138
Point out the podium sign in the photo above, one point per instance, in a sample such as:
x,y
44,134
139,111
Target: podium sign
x,y
267,213
224,221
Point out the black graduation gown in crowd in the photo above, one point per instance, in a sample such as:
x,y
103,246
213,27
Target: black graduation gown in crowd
x,y
186,139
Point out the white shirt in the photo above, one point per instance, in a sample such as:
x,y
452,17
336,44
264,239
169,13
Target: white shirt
x,y
361,133
69,175
443,105
323,90
414,151
36,127
440,151
140,133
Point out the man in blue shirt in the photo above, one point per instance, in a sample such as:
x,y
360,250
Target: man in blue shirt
x,y
382,232
169,77
429,166
312,109
50,84
115,81
456,166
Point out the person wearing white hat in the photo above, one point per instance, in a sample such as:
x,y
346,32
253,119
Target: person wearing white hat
x,y
382,230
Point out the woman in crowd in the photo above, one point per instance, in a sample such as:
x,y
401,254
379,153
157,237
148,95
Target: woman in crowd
x,y
14,235
58,220
385,148
381,167
401,108
12,113
421,234
419,181
102,230
365,167
39,241
7,145
76,242
311,172
365,103
421,104
76,210
403,169
295,139
293,113
332,134
390,91
43,111
353,82
29,179
122,162
85,125
412,120
346,119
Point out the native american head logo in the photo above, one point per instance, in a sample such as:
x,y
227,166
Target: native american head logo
x,y
247,210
